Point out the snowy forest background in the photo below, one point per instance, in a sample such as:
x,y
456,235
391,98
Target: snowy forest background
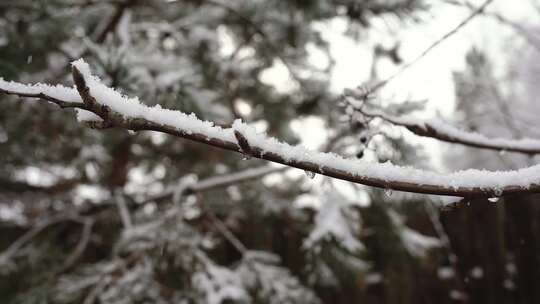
x,y
116,216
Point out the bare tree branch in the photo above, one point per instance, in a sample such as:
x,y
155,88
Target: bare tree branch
x,y
450,134
531,39
470,183
220,181
42,95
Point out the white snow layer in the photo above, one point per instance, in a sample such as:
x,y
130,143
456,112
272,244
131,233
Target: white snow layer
x,y
58,92
387,171
133,108
524,143
330,223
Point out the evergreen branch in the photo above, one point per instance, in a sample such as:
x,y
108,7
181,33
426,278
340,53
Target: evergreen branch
x,y
114,20
219,181
32,5
276,50
222,229
120,8
13,186
86,233
227,233
7,255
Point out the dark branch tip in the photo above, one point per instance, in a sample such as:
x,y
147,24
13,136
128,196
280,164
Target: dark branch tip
x,y
78,78
242,143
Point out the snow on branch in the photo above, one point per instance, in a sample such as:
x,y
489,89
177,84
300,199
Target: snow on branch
x,y
62,96
117,110
445,132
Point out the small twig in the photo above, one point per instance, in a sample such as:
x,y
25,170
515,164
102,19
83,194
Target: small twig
x,y
81,245
222,228
61,103
94,292
227,234
220,181
443,236
90,102
243,143
114,20
12,250
431,47
532,40
123,211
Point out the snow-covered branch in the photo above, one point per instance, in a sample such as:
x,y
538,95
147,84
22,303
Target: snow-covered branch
x,y
106,106
60,95
445,132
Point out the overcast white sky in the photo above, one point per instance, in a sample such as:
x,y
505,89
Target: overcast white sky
x,y
430,78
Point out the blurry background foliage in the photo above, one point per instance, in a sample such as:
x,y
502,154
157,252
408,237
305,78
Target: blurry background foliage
x,y
279,238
